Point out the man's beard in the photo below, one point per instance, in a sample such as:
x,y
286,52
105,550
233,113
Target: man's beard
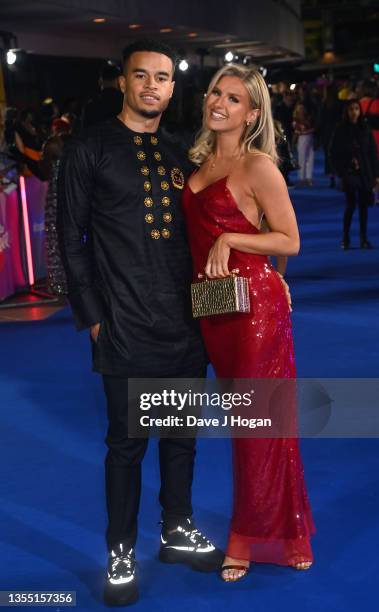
x,y
149,114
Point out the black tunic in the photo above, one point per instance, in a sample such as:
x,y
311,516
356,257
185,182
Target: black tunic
x,y
355,141
125,251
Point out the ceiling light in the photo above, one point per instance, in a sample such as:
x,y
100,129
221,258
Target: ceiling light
x,y
134,26
229,56
99,20
183,65
11,57
165,30
328,57
192,35
293,86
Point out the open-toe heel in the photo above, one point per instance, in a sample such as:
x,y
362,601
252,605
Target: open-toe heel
x,y
239,568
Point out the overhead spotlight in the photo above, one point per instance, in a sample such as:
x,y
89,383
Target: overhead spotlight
x,y
183,65
192,35
11,57
229,56
293,86
99,20
165,30
263,71
134,26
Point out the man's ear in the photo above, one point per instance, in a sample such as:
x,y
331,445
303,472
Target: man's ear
x,y
122,83
172,88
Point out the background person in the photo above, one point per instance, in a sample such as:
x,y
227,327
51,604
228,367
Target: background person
x,y
354,156
304,129
108,103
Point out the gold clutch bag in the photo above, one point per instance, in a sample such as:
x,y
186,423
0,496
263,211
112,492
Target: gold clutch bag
x,y
220,296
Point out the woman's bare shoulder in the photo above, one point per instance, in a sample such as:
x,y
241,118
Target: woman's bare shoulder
x,y
260,166
259,160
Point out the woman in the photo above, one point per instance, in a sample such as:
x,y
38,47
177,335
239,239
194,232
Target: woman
x,y
224,201
304,129
354,157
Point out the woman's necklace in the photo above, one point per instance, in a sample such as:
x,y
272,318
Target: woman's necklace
x,y
214,160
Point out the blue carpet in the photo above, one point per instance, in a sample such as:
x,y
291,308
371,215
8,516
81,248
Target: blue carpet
x,y
53,424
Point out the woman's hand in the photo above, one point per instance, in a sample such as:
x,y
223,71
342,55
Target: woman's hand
x,y
287,290
217,264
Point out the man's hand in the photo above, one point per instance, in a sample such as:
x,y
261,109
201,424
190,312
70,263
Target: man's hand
x,y
287,290
94,330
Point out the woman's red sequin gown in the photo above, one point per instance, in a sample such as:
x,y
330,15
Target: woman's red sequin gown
x,y
272,520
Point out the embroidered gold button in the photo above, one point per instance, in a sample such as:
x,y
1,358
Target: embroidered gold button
x,y
161,170
141,155
154,140
167,217
147,185
157,156
138,140
148,202
145,170
155,234
165,186
166,233
149,218
166,201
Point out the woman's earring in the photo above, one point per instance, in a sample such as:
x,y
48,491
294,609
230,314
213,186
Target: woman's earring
x,y
248,122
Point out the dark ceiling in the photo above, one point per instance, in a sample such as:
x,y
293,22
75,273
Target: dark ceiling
x,y
222,25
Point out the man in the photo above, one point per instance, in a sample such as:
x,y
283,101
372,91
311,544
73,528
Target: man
x,y
129,270
108,103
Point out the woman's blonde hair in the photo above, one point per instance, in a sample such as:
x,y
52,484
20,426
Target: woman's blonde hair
x,y
259,136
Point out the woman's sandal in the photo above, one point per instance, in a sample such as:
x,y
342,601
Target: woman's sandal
x,y
302,565
239,568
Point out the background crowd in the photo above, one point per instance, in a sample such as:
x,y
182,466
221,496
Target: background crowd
x,y
341,118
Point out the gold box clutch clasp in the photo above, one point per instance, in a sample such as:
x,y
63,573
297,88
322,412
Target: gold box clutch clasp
x,y
220,296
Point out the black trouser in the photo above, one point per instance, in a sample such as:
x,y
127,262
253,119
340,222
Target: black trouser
x,y
123,470
352,195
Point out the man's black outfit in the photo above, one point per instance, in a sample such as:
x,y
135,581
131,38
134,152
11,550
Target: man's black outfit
x,y
128,266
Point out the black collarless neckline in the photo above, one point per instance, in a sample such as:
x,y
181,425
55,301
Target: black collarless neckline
x,y
133,132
